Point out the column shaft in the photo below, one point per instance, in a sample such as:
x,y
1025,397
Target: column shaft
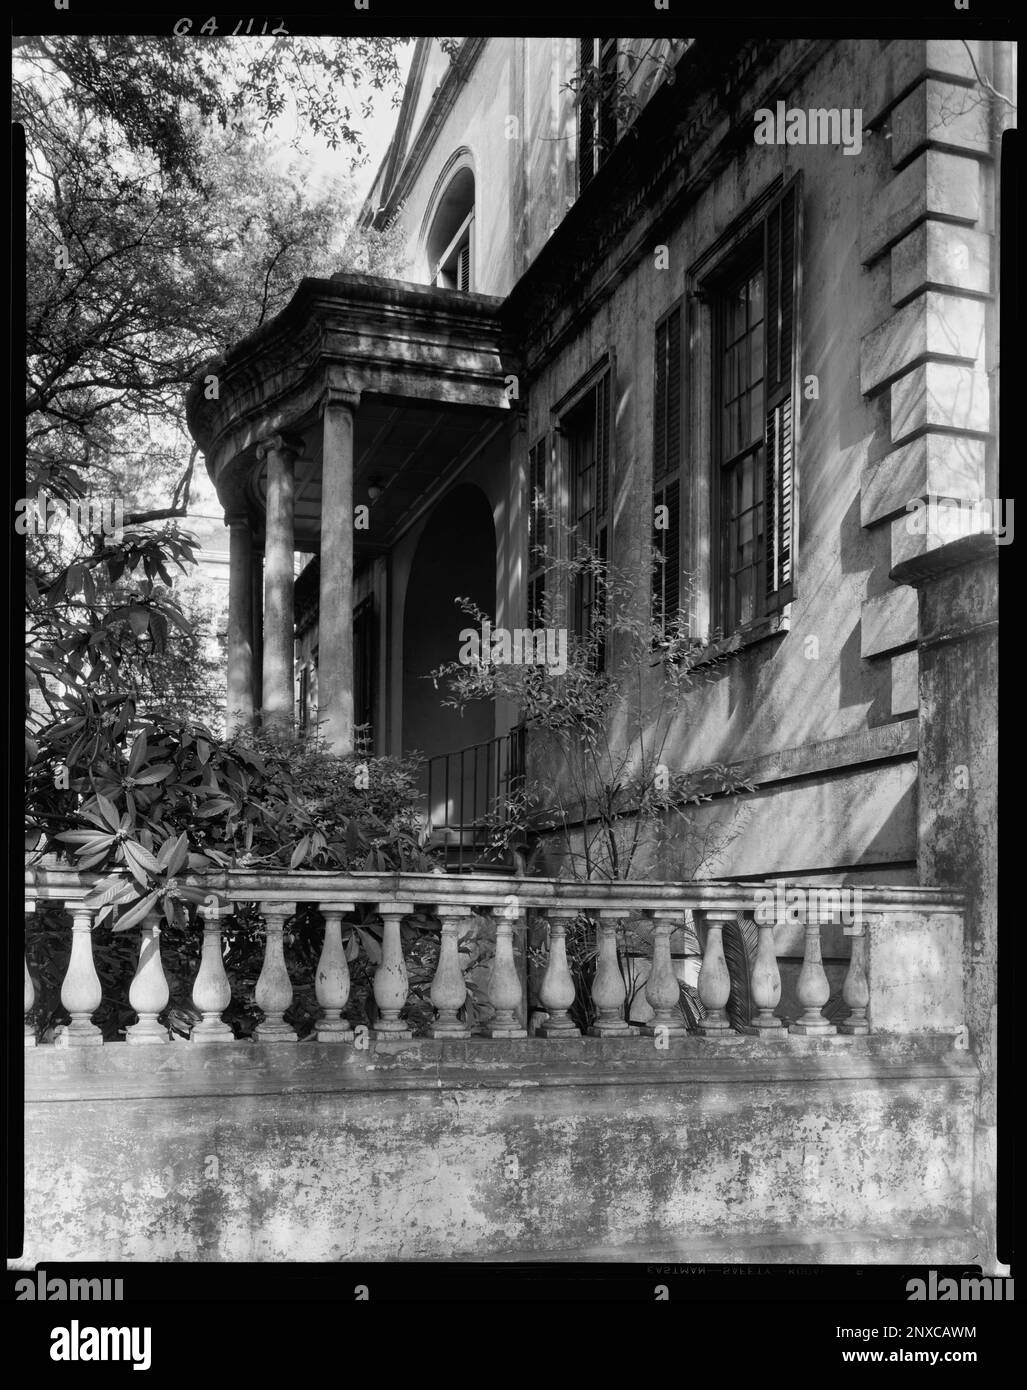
x,y
279,561
335,619
240,625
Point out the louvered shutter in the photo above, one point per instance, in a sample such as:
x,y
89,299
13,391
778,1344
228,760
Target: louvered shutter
x,y
463,267
536,530
781,250
603,447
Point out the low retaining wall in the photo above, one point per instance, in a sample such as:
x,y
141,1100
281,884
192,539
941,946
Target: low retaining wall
x,y
830,1149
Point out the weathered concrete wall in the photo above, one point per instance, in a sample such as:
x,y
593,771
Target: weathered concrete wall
x,y
824,1149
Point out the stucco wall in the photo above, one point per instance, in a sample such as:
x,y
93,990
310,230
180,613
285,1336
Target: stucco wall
x,y
805,1149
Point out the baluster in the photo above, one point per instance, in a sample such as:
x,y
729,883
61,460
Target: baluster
x,y
274,988
148,993
557,988
608,989
331,984
813,989
80,990
448,990
212,992
856,989
30,991
715,981
390,979
766,983
662,990
504,991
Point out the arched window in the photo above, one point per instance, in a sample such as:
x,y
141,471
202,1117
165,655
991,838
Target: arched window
x,y
449,248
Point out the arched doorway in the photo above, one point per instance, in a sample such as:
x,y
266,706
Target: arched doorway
x,y
455,557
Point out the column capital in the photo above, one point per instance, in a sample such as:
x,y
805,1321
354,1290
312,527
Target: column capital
x,y
280,443
333,397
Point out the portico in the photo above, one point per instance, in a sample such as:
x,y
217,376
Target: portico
x,y
362,391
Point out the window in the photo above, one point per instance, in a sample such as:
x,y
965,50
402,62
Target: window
x,y
450,244
597,105
754,319
666,582
587,433
536,532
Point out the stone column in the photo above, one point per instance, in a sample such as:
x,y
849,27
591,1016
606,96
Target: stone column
x,y
257,609
239,714
279,561
335,617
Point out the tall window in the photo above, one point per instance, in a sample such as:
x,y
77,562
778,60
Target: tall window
x,y
587,433
597,105
450,245
536,532
667,470
754,309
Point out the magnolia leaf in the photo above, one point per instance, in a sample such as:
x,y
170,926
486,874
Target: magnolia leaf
x,y
140,858
109,811
159,773
135,914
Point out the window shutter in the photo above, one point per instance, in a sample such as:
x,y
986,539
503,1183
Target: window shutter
x,y
602,447
536,530
463,267
781,250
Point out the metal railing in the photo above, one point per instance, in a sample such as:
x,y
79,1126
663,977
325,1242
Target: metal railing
x,y
465,787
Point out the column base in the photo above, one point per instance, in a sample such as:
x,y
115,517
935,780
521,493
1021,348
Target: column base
x,y
855,1030
721,1035
551,1030
274,1032
613,1030
804,1029
670,1030
334,1032
146,1034
765,1030
442,1031
395,1033
506,1032
81,1035
211,1030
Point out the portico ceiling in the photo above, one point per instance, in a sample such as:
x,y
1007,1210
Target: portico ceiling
x,y
402,448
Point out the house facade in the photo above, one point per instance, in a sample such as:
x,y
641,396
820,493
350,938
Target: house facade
x,y
734,304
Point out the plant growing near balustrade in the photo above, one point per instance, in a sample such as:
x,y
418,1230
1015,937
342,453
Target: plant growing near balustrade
x,y
607,805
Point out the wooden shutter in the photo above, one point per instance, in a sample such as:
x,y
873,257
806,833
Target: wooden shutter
x,y
463,267
782,267
536,530
587,82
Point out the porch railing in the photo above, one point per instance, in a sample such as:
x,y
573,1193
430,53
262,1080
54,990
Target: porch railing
x,y
904,974
465,786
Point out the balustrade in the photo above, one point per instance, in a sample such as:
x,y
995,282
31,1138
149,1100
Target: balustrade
x,y
454,901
